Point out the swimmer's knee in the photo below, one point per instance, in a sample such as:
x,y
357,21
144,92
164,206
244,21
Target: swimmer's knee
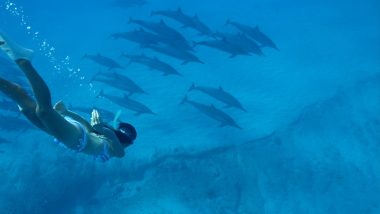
x,y
42,113
22,62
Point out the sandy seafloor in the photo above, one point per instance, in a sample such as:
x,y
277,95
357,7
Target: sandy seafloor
x,y
311,135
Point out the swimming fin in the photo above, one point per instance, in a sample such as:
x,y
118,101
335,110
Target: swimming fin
x,y
13,50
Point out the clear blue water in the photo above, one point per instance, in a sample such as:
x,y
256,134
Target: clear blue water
x,y
310,139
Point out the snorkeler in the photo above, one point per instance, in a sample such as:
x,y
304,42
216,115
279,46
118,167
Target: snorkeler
x,y
95,138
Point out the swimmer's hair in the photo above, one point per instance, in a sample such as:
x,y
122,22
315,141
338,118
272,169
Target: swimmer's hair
x,y
126,133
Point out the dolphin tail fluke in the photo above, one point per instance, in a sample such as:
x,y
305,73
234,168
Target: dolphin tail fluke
x,y
192,87
184,100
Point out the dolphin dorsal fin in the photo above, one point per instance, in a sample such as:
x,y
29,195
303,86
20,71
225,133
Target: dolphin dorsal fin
x,y
179,10
196,16
221,88
162,22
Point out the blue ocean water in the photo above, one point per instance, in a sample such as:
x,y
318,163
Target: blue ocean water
x,y
309,140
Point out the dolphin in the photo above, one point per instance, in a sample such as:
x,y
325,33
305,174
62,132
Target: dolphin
x,y
153,63
103,60
213,112
224,45
118,81
242,41
127,103
221,95
254,33
186,20
176,53
167,34
176,15
140,37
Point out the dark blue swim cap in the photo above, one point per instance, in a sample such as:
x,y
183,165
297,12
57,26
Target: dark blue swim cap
x,y
126,133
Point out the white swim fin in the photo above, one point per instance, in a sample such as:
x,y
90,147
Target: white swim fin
x,y
13,50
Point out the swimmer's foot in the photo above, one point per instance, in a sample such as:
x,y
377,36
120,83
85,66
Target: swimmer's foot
x,y
13,50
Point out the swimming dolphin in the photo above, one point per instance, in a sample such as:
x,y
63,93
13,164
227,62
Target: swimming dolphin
x,y
221,95
153,63
176,53
140,37
254,33
118,81
186,20
127,103
242,41
224,45
176,15
213,112
167,34
103,60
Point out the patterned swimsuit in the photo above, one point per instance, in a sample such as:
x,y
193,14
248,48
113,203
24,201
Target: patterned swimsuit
x,y
103,156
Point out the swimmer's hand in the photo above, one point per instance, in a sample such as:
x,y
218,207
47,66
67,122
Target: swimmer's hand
x,y
60,107
95,118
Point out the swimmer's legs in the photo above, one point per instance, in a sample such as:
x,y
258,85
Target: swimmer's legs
x,y
54,123
58,126
26,104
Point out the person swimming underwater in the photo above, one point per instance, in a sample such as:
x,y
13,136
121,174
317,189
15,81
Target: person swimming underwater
x,y
95,138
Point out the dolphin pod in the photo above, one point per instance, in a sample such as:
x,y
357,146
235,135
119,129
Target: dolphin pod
x,y
165,43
